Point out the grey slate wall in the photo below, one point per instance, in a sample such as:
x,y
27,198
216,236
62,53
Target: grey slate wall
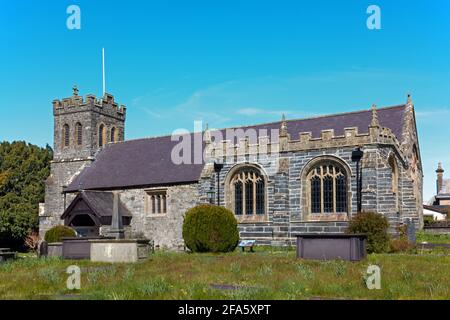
x,y
285,204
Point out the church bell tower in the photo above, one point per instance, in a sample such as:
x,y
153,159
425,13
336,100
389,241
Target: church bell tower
x,y
82,127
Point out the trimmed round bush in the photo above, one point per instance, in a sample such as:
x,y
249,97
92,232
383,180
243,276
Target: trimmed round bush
x,y
375,226
56,234
209,228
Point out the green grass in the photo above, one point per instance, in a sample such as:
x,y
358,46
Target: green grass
x,y
433,238
266,274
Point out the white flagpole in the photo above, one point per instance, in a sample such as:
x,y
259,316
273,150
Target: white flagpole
x,y
103,69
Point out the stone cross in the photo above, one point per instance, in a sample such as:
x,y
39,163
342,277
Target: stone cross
x,y
283,126
409,99
116,222
375,122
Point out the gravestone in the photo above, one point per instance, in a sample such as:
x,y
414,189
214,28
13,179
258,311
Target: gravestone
x,y
6,254
43,249
411,231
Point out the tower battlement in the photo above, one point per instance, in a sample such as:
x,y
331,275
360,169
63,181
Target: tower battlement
x,y
76,103
84,125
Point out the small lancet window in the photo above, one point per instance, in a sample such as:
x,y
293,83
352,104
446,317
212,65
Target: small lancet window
x,y
113,135
157,202
66,135
79,133
101,135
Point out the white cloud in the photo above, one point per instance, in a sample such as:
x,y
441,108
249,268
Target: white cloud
x,y
152,113
258,111
434,112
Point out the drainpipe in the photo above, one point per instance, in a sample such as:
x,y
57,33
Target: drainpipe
x,y
64,196
217,168
357,155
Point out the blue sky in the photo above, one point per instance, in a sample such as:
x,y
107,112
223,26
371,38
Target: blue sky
x,y
227,63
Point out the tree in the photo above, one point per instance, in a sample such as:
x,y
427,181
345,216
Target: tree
x,y
23,170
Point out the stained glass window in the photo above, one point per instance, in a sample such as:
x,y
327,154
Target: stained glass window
x,y
341,194
260,197
249,192
316,206
249,197
328,189
238,198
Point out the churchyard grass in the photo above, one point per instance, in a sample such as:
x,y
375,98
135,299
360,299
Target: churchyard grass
x,y
433,238
266,274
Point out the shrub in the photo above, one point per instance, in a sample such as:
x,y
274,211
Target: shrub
x,y
32,241
400,245
428,221
209,228
56,234
375,227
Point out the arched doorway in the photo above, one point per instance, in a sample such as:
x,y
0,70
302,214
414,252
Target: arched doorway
x,y
84,225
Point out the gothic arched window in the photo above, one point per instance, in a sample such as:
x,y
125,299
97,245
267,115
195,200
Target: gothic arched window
x,y
394,170
248,190
79,133
66,135
394,178
328,189
101,135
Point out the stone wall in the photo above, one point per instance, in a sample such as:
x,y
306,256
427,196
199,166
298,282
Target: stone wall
x,y
285,210
61,173
164,229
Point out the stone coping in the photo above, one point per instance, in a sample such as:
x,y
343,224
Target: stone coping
x,y
293,221
87,238
319,221
119,241
330,235
102,240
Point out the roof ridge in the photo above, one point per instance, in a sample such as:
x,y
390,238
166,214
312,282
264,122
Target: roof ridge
x,y
263,123
94,191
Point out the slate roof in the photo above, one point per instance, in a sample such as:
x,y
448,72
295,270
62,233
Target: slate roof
x,y
147,162
100,202
437,208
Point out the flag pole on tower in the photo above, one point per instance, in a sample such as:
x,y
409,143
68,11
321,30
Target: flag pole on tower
x,y
103,69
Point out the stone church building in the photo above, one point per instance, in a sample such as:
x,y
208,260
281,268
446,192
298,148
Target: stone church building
x,y
280,179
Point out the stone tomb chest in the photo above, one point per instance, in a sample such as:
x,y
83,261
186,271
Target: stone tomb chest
x,y
350,247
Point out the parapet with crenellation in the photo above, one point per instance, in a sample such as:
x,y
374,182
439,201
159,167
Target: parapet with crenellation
x,y
305,141
105,105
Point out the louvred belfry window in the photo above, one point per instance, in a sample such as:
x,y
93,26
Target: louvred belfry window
x,y
79,133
